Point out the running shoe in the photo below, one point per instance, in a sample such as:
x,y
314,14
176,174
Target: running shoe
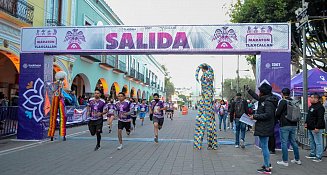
x,y
264,170
282,163
156,139
310,157
317,159
242,143
120,147
296,161
97,148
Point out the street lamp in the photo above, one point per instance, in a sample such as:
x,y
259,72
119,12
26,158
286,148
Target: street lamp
x,y
222,77
302,17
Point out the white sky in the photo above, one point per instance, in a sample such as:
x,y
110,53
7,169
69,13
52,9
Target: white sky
x,y
177,12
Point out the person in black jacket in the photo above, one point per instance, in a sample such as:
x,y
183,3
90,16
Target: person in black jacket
x,y
315,124
265,121
238,108
287,130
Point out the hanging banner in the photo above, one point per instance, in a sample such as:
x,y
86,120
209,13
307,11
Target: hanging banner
x,y
244,37
76,114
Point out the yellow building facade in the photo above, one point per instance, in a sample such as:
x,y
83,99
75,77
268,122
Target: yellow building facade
x,y
15,14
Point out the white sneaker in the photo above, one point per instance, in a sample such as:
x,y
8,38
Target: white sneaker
x,y
236,146
120,147
296,161
242,143
282,163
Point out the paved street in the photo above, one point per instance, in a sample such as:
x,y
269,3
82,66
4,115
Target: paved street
x,y
173,155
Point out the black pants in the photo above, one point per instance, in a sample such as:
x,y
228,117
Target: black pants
x,y
134,120
272,143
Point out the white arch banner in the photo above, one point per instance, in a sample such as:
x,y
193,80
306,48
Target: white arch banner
x,y
158,39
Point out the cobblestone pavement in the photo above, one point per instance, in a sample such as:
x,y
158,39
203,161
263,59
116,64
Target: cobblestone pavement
x,y
173,155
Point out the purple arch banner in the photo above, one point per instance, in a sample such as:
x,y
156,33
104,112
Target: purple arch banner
x,y
229,38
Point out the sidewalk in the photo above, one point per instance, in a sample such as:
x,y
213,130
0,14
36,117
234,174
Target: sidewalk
x,y
173,155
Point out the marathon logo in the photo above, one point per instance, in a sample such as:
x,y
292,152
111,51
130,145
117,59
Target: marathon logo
x,y
48,42
160,40
259,37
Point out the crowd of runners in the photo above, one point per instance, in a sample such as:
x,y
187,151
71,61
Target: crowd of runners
x,y
126,111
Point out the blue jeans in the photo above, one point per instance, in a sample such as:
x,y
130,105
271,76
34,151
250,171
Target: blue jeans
x,y
315,139
222,118
240,127
287,133
265,150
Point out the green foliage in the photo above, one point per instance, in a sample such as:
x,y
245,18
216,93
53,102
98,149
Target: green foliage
x,y
183,97
251,59
273,11
150,98
169,86
230,86
180,103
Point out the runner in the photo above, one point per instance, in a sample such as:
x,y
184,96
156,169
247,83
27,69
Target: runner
x,y
134,106
124,110
110,110
95,112
170,110
143,108
157,108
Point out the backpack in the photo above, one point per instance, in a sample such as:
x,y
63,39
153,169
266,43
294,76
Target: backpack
x,y
239,108
293,111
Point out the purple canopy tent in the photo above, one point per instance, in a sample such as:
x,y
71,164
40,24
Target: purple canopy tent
x,y
317,80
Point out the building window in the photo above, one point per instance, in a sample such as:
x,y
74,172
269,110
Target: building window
x,y
88,21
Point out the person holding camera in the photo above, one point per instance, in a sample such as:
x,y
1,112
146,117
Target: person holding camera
x,y
265,121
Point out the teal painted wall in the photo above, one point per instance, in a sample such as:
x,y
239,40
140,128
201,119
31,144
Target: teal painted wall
x,y
92,12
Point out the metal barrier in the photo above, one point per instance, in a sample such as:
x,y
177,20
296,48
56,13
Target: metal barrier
x,y
9,120
302,132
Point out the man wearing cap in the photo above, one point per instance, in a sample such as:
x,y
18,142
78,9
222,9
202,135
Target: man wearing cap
x,y
265,121
287,130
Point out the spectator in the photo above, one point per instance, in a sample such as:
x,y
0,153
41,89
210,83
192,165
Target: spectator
x,y
74,101
222,113
287,130
315,124
239,107
264,127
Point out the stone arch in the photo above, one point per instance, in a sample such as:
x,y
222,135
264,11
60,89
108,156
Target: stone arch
x,y
81,84
103,86
143,95
9,77
138,94
114,90
133,93
125,90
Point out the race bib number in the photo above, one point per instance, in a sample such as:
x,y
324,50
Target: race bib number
x,y
157,110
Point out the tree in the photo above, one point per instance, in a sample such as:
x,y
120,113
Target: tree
x,y
230,87
263,11
251,59
169,86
